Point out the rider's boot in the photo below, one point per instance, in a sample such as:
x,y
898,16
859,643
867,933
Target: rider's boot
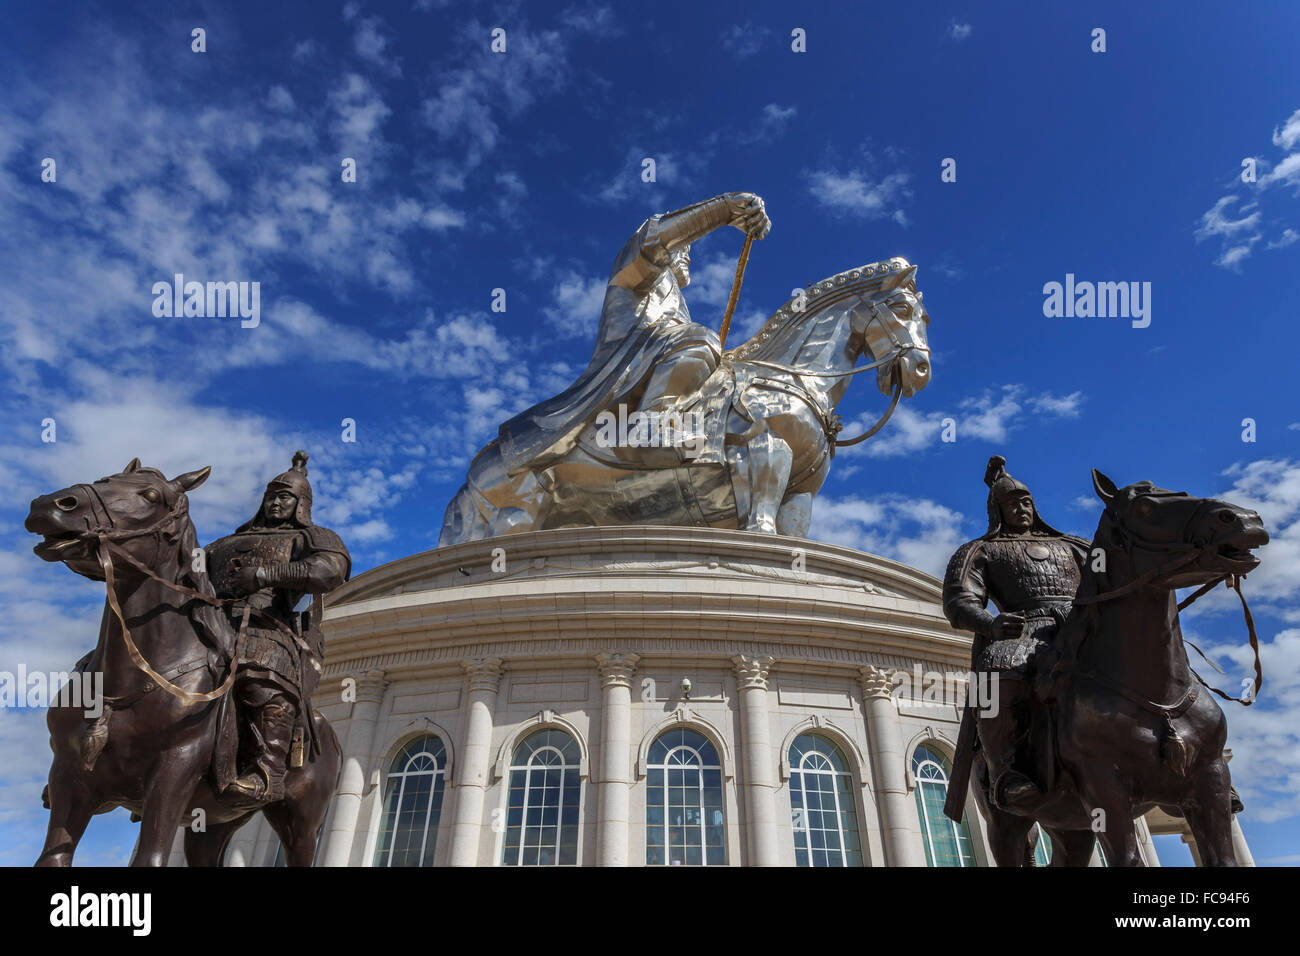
x,y
274,735
1011,790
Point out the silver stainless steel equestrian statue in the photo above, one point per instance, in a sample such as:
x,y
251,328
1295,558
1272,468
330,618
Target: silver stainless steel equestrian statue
x,y
665,427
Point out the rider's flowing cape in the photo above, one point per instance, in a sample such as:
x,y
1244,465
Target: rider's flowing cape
x,y
644,319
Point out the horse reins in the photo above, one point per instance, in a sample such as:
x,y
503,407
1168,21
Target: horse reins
x,y
897,352
103,538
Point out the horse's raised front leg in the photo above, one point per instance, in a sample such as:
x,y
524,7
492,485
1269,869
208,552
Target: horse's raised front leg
x,y
770,460
71,807
1209,816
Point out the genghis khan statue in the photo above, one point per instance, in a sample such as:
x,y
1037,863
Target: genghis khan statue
x,y
649,352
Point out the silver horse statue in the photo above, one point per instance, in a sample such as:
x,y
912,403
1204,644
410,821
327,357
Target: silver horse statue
x,y
741,438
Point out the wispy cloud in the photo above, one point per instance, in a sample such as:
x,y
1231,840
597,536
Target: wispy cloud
x,y
1239,234
854,192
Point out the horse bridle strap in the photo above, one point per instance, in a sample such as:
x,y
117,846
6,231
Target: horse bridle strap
x,y
189,697
216,602
1168,711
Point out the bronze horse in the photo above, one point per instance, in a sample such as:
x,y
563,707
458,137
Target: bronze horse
x,y
151,750
1131,726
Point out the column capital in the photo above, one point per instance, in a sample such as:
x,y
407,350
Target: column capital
x,y
371,686
484,673
876,681
616,669
752,671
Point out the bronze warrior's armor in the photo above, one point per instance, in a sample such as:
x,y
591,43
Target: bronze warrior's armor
x,y
270,564
1030,573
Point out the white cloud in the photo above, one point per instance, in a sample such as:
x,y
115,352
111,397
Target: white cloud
x,y
1239,236
856,193
988,416
370,42
578,302
1289,133
744,40
1288,236
958,31
917,531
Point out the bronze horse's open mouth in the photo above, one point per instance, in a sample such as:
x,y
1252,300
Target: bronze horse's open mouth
x,y
56,547
1236,553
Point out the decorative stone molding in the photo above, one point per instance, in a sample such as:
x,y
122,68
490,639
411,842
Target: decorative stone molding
x,y
539,721
483,673
752,672
815,723
684,716
616,669
876,681
371,687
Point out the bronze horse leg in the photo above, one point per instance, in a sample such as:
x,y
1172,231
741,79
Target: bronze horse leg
x,y
70,811
1210,817
205,848
167,796
1107,792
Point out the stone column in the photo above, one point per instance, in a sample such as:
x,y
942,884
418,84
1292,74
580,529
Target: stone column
x,y
473,764
352,780
1239,847
760,762
889,769
615,757
1147,842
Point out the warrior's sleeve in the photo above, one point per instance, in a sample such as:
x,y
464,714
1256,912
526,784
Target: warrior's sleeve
x,y
323,566
646,255
964,592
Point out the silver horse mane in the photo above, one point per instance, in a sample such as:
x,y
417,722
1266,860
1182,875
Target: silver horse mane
x,y
817,298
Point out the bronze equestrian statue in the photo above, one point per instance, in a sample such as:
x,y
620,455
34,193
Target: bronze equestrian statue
x,y
1100,716
166,649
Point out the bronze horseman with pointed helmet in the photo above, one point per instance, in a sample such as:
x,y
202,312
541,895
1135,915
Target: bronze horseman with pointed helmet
x,y
270,564
1031,572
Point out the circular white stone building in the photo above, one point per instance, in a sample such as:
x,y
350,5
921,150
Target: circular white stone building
x,y
642,696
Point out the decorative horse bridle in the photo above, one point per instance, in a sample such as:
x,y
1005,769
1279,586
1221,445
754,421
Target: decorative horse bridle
x,y
881,316
1131,541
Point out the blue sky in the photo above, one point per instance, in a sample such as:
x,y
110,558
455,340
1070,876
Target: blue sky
x,y
521,171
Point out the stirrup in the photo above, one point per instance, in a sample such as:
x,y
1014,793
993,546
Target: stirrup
x,y
1023,801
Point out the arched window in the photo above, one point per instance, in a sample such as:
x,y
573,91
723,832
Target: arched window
x,y
824,814
542,804
408,831
946,843
683,804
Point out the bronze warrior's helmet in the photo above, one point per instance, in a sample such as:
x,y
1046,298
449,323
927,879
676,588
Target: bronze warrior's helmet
x,y
295,482
1002,487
